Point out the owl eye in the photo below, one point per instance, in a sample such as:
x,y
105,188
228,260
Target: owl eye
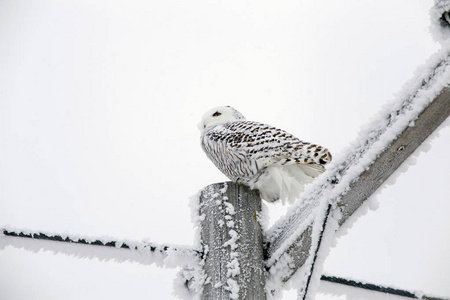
x,y
216,114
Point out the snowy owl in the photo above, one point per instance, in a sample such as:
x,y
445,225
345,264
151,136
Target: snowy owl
x,y
259,155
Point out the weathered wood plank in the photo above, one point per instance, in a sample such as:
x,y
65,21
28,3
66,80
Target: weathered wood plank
x,y
389,161
233,242
368,182
288,225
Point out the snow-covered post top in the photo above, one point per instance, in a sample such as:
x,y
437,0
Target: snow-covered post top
x,y
440,21
233,242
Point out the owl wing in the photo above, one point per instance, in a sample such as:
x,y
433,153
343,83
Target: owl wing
x,y
249,147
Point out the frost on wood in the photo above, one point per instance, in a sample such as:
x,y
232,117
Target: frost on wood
x,y
440,21
379,150
232,240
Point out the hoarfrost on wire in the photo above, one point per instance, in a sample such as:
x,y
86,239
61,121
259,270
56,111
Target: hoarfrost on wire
x,y
143,252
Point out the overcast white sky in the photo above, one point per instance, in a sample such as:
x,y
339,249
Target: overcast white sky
x,y
99,105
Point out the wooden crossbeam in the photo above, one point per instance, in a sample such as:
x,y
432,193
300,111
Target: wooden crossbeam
x,y
401,148
292,237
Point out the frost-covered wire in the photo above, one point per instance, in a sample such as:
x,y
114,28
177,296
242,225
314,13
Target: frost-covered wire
x,y
324,224
167,255
377,288
163,249
59,238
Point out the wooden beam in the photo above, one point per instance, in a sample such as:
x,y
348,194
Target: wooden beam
x,y
400,149
233,242
292,237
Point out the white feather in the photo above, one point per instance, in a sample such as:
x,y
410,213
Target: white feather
x,y
284,183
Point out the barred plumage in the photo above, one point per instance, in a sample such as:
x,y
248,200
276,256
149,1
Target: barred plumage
x,y
259,155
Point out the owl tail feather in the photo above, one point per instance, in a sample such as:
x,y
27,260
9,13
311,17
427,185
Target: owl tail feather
x,y
283,182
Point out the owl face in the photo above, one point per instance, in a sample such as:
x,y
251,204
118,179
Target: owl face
x,y
219,115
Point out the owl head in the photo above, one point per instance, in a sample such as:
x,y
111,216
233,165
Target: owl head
x,y
219,115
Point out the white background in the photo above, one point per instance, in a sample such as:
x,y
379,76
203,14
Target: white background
x,y
99,105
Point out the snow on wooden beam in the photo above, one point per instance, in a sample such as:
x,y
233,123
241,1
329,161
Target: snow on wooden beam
x,y
233,242
355,176
400,149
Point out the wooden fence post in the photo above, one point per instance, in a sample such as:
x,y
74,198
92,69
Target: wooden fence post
x,y
233,242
